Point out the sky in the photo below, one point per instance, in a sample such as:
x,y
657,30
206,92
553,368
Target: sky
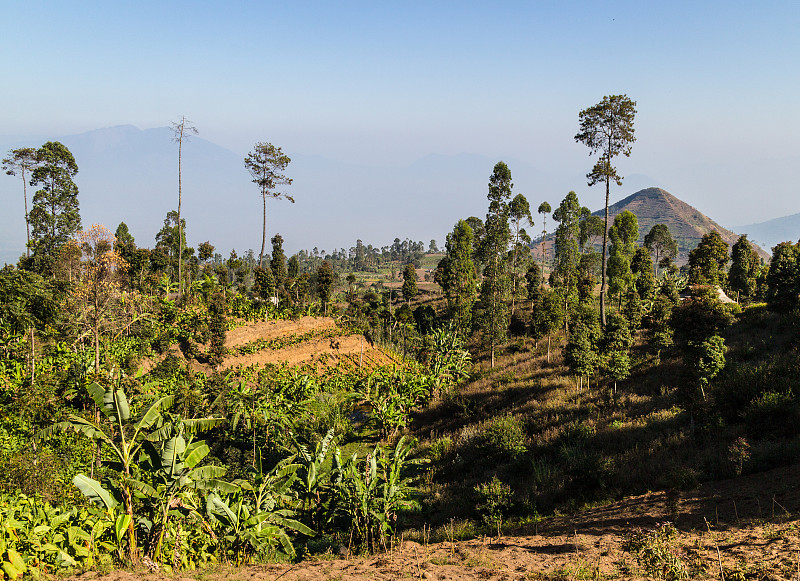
x,y
386,83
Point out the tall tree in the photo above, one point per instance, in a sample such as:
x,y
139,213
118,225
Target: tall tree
x,y
22,161
325,280
564,275
623,234
708,260
55,216
783,277
745,268
520,214
458,277
544,210
493,319
409,282
660,243
607,128
266,164
181,130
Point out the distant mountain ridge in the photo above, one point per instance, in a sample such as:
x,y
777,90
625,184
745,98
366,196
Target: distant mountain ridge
x,y
773,232
687,224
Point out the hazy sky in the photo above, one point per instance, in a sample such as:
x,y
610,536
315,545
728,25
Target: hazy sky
x,y
716,83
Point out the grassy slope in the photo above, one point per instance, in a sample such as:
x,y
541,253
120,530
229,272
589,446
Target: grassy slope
x,y
560,448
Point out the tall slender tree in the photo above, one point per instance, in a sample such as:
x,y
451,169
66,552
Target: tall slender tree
x,y
623,234
564,276
493,319
520,214
22,161
266,164
55,215
607,128
181,130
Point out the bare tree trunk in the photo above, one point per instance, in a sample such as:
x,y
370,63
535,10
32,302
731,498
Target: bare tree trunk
x,y
263,232
33,357
180,227
605,245
27,223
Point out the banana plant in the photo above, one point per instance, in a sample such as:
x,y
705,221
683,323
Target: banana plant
x,y
372,492
313,476
172,462
255,518
124,437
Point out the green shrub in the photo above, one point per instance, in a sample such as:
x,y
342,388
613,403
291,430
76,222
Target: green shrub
x,y
774,414
504,437
493,502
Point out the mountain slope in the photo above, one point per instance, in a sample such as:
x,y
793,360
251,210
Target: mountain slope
x,y
687,224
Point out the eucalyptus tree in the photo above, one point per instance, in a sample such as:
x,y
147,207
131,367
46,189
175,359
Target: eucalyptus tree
x,y
478,233
267,164
493,315
22,161
660,243
607,128
181,130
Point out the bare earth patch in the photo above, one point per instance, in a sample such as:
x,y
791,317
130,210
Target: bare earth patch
x,y
355,350
274,329
747,527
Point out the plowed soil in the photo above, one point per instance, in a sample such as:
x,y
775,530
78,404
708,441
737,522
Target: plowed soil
x,y
355,350
737,529
351,351
274,329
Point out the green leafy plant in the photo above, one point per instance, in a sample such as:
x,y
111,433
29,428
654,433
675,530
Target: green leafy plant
x,y
655,554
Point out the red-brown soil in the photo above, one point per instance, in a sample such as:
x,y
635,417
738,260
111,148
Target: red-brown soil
x,y
350,351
